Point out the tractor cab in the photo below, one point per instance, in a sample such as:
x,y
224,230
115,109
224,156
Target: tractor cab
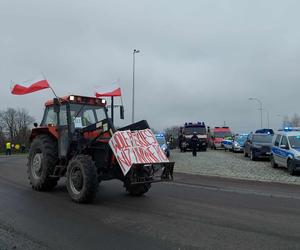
x,y
69,116
81,111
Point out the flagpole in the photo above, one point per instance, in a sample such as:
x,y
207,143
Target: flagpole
x,y
54,92
11,85
51,87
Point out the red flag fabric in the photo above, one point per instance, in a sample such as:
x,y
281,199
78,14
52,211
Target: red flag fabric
x,y
26,88
108,91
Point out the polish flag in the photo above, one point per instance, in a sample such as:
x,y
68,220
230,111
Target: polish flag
x,y
30,86
106,91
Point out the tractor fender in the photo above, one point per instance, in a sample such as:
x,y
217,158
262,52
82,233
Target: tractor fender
x,y
50,130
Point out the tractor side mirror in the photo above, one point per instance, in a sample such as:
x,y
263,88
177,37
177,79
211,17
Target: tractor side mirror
x,y
35,124
122,112
56,105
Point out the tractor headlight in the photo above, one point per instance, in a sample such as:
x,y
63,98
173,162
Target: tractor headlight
x,y
72,98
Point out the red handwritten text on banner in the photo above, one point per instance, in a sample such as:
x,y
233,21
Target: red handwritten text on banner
x,y
136,147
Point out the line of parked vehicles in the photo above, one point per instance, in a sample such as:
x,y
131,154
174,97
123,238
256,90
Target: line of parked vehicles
x,y
282,148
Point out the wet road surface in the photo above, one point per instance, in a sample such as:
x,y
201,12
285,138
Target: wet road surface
x,y
194,212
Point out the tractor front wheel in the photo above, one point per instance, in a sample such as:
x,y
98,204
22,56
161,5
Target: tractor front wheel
x,y
82,181
42,160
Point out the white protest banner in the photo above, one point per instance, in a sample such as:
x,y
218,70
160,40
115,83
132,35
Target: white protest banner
x,y
132,147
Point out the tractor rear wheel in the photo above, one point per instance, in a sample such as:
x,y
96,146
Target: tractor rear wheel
x,y
82,179
138,189
42,160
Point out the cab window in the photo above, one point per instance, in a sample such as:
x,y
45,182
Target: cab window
x,y
284,141
50,117
100,113
277,140
88,117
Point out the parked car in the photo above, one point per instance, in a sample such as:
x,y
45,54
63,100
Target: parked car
x,y
258,145
286,150
238,143
163,143
227,143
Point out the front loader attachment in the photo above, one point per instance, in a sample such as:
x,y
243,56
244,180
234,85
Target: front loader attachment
x,y
156,172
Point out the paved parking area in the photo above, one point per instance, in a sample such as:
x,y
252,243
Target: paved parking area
x,y
231,165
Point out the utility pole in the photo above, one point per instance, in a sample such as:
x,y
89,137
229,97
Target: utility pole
x,y
134,52
261,108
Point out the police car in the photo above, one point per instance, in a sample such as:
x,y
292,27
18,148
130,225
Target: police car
x,y
286,149
160,137
227,143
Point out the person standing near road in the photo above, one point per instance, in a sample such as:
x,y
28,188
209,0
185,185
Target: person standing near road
x,y
8,148
23,148
194,141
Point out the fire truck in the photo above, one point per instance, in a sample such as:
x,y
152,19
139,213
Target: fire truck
x,y
186,133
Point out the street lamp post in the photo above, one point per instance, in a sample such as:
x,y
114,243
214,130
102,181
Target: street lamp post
x,y
261,108
134,52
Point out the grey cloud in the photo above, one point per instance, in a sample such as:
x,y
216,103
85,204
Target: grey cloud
x,y
199,60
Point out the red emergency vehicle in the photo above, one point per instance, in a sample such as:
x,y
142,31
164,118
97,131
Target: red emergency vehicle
x,y
217,136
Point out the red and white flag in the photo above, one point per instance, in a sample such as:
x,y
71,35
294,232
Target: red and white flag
x,y
107,91
29,86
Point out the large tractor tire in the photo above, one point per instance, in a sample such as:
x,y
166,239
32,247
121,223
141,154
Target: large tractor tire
x,y
42,160
138,189
82,179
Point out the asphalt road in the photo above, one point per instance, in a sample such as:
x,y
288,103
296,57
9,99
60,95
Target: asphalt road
x,y
195,212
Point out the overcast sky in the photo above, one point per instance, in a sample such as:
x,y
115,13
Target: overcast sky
x,y
199,60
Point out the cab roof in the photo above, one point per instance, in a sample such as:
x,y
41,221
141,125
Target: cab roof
x,y
78,99
221,129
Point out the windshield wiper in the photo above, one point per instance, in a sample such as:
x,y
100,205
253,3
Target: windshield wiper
x,y
83,105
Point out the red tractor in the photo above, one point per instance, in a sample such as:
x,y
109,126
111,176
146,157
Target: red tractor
x,y
72,141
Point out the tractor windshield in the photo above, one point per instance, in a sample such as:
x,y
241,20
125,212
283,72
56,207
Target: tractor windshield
x,y
84,115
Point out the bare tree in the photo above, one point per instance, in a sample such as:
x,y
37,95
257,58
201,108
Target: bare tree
x,y
2,137
16,123
172,131
172,135
8,118
23,123
295,121
286,121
